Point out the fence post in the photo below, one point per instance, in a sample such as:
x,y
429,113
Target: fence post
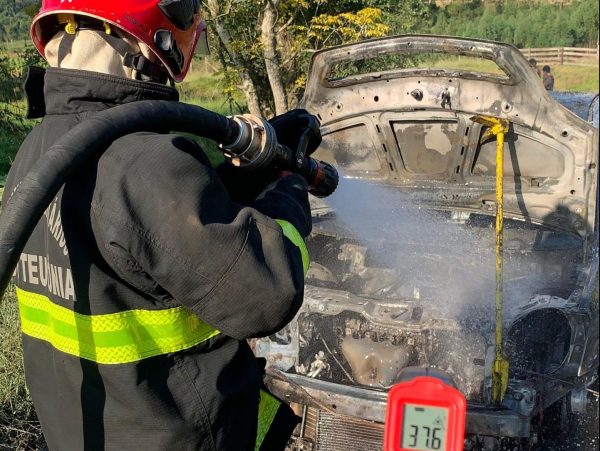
x,y
561,55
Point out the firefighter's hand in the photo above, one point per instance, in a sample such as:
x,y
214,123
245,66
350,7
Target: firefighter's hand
x,y
287,199
244,186
297,128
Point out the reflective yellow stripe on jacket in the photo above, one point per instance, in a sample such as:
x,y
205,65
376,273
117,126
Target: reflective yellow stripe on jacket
x,y
267,410
116,338
292,234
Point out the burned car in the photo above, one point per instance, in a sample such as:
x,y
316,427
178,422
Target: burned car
x,y
402,255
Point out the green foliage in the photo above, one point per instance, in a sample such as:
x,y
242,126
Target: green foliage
x,y
406,16
205,88
521,23
13,126
15,17
326,30
302,27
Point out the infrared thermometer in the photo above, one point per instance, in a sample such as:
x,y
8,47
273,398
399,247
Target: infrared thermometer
x,y
425,414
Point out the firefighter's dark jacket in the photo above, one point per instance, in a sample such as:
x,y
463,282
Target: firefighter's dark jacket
x,y
150,227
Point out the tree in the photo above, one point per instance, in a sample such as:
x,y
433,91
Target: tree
x,y
584,23
13,126
524,23
234,59
265,45
326,30
15,16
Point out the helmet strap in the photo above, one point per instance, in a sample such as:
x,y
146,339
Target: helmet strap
x,y
65,47
147,70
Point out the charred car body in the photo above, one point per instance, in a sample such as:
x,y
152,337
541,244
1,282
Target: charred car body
x,y
402,263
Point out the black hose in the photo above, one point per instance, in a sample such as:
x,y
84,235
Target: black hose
x,y
88,140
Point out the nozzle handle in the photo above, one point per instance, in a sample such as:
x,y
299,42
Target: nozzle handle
x,y
310,138
322,177
256,147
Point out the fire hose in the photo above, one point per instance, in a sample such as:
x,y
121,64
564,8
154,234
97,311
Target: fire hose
x,y
248,141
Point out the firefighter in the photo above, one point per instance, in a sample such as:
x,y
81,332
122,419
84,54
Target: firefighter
x,y
144,278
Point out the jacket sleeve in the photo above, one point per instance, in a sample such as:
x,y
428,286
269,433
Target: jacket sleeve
x,y
235,266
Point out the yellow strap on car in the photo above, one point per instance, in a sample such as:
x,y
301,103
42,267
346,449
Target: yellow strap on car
x,y
498,127
294,236
115,338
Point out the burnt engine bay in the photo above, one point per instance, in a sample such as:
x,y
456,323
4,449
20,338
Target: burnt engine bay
x,y
379,299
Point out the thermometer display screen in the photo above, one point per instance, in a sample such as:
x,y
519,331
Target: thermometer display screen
x,y
424,428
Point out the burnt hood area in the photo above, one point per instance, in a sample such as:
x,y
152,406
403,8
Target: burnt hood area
x,y
413,127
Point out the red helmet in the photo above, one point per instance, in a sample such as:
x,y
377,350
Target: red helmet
x,y
170,28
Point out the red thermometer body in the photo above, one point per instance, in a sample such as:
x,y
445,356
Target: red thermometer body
x,y
425,414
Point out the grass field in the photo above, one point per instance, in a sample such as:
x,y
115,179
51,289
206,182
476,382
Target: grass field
x,y
14,46
9,143
19,428
575,78
13,130
566,77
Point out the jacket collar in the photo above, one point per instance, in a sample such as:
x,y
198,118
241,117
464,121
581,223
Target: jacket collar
x,y
70,91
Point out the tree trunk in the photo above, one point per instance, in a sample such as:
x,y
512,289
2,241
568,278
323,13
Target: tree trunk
x,y
251,95
269,42
214,8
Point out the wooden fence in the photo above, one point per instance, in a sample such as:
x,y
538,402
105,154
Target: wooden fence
x,y
564,55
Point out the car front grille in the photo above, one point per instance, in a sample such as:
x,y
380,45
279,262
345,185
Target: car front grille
x,y
324,431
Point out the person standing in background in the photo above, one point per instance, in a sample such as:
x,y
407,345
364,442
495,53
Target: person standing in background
x,y
547,78
534,66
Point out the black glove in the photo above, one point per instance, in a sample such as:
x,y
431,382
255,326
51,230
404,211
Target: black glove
x,y
287,199
242,185
294,128
297,127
